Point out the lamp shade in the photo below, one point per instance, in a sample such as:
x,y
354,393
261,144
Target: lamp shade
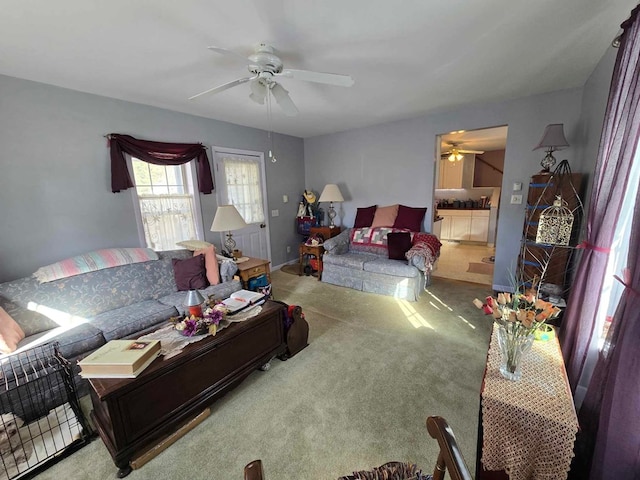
x,y
194,298
331,193
227,218
553,137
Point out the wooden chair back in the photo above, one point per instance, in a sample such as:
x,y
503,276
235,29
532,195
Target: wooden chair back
x,y
449,459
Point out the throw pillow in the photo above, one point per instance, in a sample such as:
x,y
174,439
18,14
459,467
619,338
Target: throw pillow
x,y
190,274
385,216
364,216
411,218
210,264
10,333
194,244
399,243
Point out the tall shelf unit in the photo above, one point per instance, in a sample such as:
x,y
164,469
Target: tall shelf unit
x,y
548,266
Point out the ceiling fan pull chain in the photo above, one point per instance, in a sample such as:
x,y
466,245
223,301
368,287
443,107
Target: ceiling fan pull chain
x,y
270,120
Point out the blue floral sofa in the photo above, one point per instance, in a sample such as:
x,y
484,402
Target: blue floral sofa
x,y
359,259
83,312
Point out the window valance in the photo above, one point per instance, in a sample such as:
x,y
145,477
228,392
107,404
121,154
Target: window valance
x,y
158,153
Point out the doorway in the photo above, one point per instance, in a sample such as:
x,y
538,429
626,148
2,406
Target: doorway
x,y
467,189
240,182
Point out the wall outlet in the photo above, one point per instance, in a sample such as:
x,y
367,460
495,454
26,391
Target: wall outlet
x,y
288,248
275,213
516,199
517,186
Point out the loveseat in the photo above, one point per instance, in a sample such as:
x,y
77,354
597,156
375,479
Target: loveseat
x,y
358,258
82,312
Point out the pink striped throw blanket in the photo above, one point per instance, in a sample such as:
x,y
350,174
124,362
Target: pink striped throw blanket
x,y
92,261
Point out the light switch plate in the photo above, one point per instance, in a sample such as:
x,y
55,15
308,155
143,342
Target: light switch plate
x,y
516,199
285,198
517,186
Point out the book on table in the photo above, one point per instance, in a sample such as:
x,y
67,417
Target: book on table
x,y
120,359
243,299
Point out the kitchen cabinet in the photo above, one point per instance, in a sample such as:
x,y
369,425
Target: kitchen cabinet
x,y
450,174
469,225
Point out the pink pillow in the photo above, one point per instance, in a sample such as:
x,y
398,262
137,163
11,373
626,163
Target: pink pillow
x,y
385,216
210,264
10,333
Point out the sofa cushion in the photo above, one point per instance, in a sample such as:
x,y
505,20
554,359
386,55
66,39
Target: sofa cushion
x,y
91,293
10,333
390,267
190,274
125,321
350,260
399,243
364,216
410,218
385,216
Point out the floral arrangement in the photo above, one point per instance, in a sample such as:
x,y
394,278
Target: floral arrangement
x,y
519,316
521,313
192,325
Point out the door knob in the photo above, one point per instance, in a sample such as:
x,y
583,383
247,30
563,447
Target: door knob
x,y
262,225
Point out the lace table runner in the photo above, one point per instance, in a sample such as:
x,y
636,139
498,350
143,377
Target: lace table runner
x,y
172,342
529,426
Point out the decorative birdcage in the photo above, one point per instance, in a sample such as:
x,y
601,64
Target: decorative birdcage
x,y
555,224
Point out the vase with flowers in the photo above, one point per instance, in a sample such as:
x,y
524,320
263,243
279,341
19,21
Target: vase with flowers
x,y
191,325
518,316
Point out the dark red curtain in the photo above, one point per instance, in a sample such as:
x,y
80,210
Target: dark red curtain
x,y
158,153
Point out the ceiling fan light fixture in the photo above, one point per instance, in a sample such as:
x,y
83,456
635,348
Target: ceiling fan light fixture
x,y
455,155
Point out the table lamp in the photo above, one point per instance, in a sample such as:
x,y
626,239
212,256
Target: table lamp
x,y
227,218
331,193
552,139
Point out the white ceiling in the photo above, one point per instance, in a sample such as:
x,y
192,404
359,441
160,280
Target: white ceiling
x,y
407,58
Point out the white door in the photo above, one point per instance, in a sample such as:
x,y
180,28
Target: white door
x,y
240,182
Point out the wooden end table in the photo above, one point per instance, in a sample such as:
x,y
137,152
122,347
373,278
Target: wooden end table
x,y
252,268
316,250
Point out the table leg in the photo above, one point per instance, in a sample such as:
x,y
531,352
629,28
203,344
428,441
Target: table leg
x,y
319,257
301,256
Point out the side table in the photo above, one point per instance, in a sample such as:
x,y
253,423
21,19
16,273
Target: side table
x,y
316,250
254,267
326,232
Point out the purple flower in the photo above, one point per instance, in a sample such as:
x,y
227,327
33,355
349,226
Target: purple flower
x,y
213,316
190,327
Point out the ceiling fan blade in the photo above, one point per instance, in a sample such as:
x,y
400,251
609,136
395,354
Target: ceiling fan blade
x,y
284,100
221,88
258,91
318,77
231,53
471,151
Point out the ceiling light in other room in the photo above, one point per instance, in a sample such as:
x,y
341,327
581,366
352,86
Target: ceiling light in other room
x,y
455,155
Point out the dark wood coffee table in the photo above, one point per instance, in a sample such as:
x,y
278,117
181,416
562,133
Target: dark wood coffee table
x,y
134,414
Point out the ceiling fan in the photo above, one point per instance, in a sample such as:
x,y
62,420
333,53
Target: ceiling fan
x,y
265,68
454,154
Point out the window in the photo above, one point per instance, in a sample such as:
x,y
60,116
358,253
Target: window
x,y
167,204
242,187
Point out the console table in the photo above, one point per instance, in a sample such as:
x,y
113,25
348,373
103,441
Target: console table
x,y
134,414
527,428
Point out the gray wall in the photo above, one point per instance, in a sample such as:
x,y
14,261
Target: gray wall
x,y
55,194
395,162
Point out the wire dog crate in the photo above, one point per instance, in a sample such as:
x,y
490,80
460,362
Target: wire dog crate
x,y
41,420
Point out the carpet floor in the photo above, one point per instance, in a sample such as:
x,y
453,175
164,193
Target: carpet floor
x,y
357,397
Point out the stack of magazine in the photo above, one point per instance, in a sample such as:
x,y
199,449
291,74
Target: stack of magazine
x,y
241,300
120,359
